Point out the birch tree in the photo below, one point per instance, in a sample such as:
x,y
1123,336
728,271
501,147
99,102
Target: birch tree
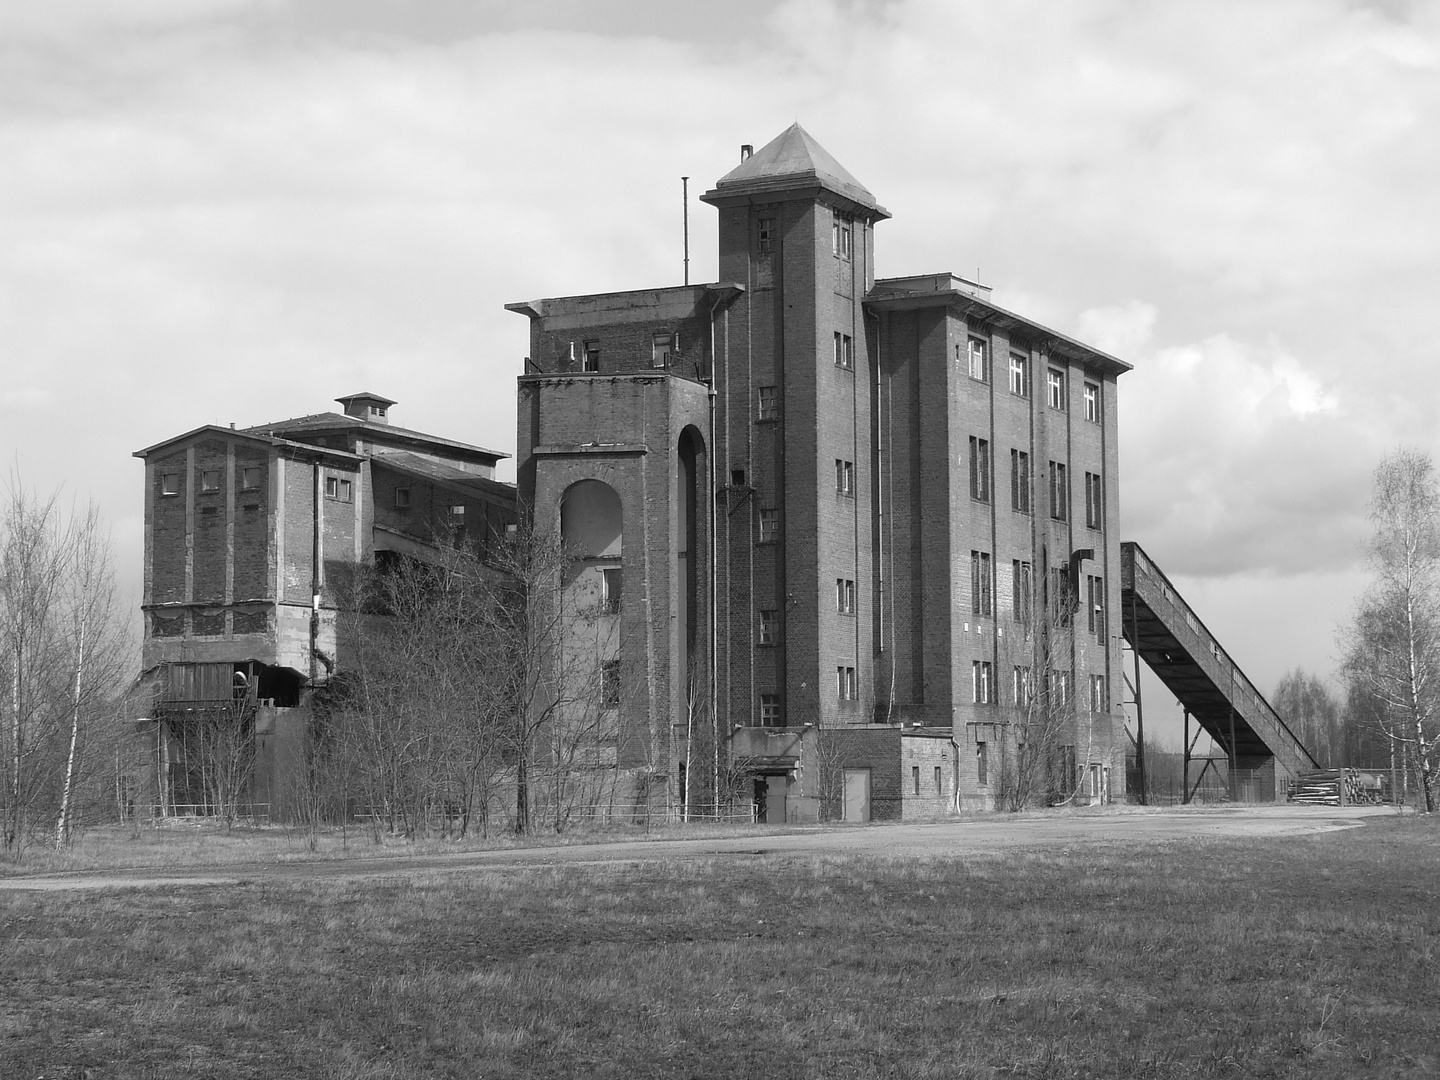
x,y
1394,639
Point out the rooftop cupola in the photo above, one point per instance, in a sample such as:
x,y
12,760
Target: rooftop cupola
x,y
367,406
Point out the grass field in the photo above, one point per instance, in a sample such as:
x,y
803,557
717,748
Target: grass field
x,y
1304,957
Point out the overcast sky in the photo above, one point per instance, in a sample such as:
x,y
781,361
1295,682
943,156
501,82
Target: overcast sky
x,y
236,210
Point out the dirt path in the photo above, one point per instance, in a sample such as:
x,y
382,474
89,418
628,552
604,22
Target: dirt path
x,y
970,837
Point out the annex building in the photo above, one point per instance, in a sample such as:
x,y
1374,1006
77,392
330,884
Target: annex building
x,y
853,526
248,533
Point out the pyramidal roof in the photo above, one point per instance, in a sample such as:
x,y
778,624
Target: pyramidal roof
x,y
793,159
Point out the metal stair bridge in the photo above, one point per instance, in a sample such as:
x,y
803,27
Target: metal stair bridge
x,y
1263,754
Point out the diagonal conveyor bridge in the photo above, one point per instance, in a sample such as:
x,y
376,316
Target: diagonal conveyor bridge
x,y
1175,644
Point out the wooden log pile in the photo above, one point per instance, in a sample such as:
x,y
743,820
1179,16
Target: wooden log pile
x,y
1322,787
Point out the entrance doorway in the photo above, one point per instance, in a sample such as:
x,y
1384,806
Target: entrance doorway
x,y
857,795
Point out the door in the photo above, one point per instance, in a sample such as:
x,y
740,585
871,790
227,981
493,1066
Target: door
x,y
857,794
775,799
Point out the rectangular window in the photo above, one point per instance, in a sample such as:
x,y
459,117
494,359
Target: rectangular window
x,y
402,498
847,686
841,236
337,488
1024,685
982,764
770,714
765,234
1094,501
1020,481
610,684
1019,375
456,511
1092,403
844,351
661,349
210,480
769,403
769,526
845,596
590,359
915,777
982,584
1060,603
1095,602
1059,492
1060,687
1055,388
1022,590
769,627
612,584
979,469
981,678
169,483
844,477
977,352
1099,694
939,781
250,477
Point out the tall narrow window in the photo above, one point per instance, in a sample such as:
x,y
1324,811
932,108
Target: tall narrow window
x,y
1020,481
1022,596
1059,492
770,714
610,684
769,627
845,596
1099,694
1055,388
765,234
1024,685
769,403
1019,375
1092,403
982,590
979,469
977,350
841,236
847,686
982,764
1094,501
612,582
402,498
844,477
769,526
844,351
661,350
590,358
1095,603
982,677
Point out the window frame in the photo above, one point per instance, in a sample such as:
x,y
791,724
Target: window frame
x,y
1019,366
772,711
590,357
339,488
769,525
1094,501
982,682
982,584
1059,492
612,588
1093,412
767,630
1022,481
1055,395
1022,590
847,683
844,478
977,357
402,498
844,351
844,596
980,469
170,485
768,404
663,348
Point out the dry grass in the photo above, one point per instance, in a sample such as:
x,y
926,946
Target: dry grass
x,y
1285,958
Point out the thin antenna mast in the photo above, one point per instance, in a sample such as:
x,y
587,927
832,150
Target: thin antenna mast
x,y
685,208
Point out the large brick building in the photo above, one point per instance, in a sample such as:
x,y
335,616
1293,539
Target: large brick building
x,y
838,507
247,534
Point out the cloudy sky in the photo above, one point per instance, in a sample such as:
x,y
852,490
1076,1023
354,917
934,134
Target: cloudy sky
x,y
236,210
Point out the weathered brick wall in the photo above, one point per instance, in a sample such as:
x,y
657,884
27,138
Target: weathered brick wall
x,y
168,530
623,328
928,758
878,749
252,526
210,540
298,479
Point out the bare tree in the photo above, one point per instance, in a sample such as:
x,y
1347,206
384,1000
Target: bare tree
x,y
1311,711
1394,640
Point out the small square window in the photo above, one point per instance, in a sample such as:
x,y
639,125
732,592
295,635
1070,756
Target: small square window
x,y
769,631
456,511
769,403
1055,388
1092,403
210,480
337,488
377,411
170,483
250,477
612,582
590,358
770,714
769,526
402,498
